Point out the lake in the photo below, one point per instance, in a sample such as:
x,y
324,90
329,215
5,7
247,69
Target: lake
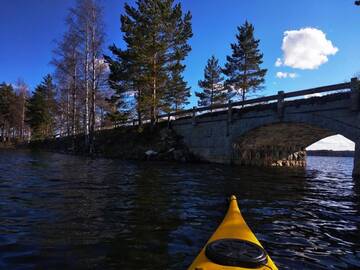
x,y
69,212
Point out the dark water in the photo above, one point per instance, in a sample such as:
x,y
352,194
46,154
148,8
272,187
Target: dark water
x,y
65,212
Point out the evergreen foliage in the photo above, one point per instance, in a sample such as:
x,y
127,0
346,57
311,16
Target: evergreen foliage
x,y
242,69
156,34
212,85
177,92
145,76
7,99
42,109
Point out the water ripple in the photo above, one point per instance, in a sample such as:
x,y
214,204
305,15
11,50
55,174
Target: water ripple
x,y
60,211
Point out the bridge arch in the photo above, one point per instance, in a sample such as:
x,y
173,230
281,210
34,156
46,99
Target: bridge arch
x,y
281,141
264,133
276,144
318,122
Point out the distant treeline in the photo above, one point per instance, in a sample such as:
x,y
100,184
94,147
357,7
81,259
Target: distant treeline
x,y
138,81
330,153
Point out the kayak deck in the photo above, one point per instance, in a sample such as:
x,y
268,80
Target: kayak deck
x,y
232,227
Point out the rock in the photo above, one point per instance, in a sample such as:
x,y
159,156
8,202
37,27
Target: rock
x,y
151,153
171,150
165,134
179,155
162,147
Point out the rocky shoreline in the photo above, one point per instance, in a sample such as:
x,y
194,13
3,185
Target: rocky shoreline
x,y
7,146
127,143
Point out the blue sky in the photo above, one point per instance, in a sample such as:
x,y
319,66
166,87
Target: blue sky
x,y
28,30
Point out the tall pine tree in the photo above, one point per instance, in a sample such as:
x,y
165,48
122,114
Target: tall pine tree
x,y
212,85
12,112
42,109
7,100
156,34
177,92
242,69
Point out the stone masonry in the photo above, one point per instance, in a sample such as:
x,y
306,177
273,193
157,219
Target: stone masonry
x,y
272,134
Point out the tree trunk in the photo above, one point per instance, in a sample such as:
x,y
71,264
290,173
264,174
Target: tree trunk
x,y
68,112
74,102
245,86
138,108
154,94
22,117
212,95
86,75
93,89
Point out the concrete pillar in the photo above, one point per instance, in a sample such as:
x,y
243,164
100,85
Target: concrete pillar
x,y
356,170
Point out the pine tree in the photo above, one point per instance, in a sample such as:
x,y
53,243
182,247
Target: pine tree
x,y
177,92
7,101
212,85
242,69
42,109
122,79
12,109
156,34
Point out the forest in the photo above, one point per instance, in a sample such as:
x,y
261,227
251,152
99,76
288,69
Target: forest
x,y
90,90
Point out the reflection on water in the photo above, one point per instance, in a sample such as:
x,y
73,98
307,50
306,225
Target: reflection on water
x,y
60,211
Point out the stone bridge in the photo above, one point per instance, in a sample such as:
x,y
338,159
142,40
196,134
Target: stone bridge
x,y
275,130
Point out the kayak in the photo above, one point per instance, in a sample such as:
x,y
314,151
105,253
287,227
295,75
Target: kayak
x,y
233,246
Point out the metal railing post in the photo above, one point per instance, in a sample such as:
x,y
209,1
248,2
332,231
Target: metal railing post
x,y
355,94
280,104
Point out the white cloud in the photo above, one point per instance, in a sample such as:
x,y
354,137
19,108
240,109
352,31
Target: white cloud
x,y
306,48
283,75
278,62
336,143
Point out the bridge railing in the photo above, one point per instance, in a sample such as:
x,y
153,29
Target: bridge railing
x,y
318,90
353,85
279,97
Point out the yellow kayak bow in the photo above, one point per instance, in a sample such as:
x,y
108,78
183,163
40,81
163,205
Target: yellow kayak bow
x,y
233,246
